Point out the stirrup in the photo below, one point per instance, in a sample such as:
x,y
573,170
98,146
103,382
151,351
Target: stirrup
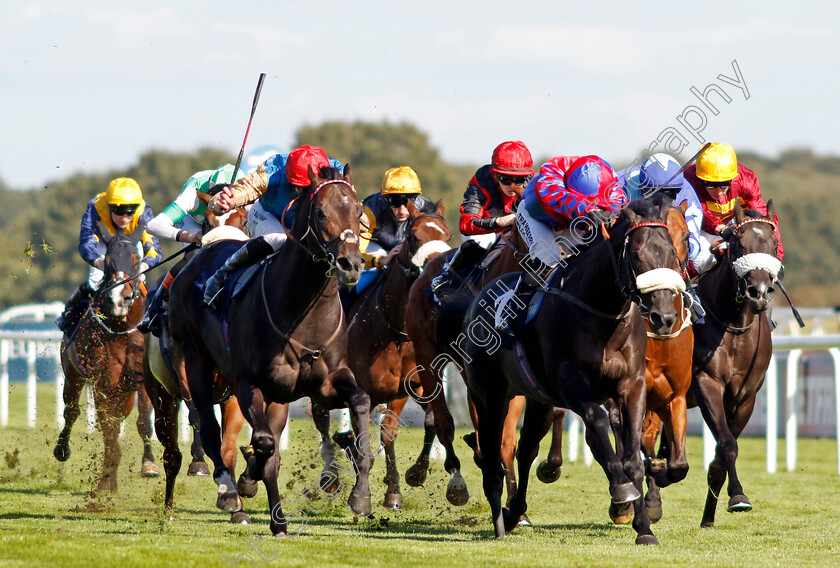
x,y
208,298
439,281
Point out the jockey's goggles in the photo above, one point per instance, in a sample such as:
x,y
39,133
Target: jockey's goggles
x,y
513,180
127,209
396,201
726,183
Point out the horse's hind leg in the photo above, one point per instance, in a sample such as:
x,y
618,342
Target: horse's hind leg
x,y
415,476
277,415
549,470
197,466
144,428
388,428
650,432
232,421
509,449
166,426
537,421
491,414
328,480
72,390
108,416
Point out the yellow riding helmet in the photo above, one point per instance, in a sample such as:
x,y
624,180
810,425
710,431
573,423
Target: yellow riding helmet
x,y
717,163
123,191
401,179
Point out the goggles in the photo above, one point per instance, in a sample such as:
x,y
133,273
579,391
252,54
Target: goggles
x,y
127,209
513,180
397,201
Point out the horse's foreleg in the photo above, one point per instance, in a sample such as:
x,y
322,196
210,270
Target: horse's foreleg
x,y
73,384
144,428
277,415
388,429
536,423
197,466
108,417
166,426
549,470
675,424
329,473
491,411
415,476
340,390
515,407
655,462
253,406
709,395
738,502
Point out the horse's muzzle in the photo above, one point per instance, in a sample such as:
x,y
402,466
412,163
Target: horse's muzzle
x,y
759,294
349,269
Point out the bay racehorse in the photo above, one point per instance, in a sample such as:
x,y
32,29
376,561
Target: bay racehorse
x,y
105,350
585,345
667,378
732,346
167,392
433,320
380,352
281,339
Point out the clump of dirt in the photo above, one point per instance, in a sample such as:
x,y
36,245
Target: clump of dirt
x,y
13,459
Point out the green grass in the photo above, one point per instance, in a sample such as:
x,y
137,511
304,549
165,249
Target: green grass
x,y
48,517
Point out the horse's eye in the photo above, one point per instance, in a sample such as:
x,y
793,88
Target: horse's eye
x,y
635,256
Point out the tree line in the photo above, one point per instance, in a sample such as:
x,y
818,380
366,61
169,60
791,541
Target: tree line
x,y
40,228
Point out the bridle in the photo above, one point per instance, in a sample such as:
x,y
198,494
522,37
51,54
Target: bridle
x,y
746,263
418,254
100,318
313,233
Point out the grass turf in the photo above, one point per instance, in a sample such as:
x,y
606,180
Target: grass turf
x,y
49,518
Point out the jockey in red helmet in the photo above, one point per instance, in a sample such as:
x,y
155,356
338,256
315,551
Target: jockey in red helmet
x,y
271,187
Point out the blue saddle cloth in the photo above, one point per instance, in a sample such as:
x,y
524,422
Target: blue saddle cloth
x,y
236,281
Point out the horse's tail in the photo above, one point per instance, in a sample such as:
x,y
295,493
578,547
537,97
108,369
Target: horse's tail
x,y
453,308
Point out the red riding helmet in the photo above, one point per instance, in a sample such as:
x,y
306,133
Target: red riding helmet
x,y
301,160
512,158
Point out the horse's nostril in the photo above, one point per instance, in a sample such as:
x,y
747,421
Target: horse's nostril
x,y
344,264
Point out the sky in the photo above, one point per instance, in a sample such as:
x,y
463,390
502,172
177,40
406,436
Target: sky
x,y
90,86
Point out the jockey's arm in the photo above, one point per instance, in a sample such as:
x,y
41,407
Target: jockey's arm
x,y
90,248
151,245
475,220
244,192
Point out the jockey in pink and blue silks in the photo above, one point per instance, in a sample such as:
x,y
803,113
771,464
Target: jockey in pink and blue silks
x,y
560,209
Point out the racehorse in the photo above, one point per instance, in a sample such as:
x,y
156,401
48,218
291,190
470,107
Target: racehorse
x,y
432,327
380,352
732,347
106,351
585,345
280,339
667,377
166,393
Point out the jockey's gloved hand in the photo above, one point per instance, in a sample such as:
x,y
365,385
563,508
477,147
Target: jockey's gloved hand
x,y
141,268
506,220
99,263
599,216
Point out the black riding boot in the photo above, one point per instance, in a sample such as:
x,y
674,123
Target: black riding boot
x,y
74,307
152,318
466,255
249,253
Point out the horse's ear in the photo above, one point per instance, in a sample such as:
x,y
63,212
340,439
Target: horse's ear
x,y
683,206
439,208
348,173
771,211
137,233
203,197
313,177
739,212
412,210
664,207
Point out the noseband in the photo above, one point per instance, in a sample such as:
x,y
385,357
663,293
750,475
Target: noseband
x,y
321,246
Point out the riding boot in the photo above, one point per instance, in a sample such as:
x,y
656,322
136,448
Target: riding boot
x,y
466,255
535,275
151,319
249,253
73,308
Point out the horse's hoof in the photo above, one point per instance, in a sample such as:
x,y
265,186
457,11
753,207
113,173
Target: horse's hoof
x,y
739,504
149,469
524,521
707,524
246,488
229,502
647,539
547,473
393,501
61,453
456,491
416,474
624,493
240,518
510,522
622,513
654,512
281,534
330,484
360,505
199,468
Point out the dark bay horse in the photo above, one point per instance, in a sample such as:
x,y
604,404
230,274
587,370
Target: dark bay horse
x,y
106,351
281,339
166,394
380,352
433,327
585,345
732,348
667,378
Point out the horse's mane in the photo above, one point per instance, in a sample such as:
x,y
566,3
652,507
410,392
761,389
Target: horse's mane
x,y
753,214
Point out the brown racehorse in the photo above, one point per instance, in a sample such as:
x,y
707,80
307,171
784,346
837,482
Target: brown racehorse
x,y
732,348
281,339
106,351
432,328
380,352
166,393
667,377
584,346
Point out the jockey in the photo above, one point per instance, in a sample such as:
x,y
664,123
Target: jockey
x,y
663,173
120,208
182,221
271,187
719,181
561,208
389,209
489,204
